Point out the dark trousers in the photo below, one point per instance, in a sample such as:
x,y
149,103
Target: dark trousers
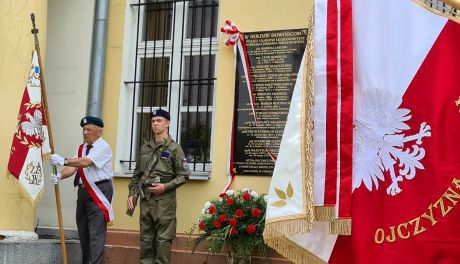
x,y
91,224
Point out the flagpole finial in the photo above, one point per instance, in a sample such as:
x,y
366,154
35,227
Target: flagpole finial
x,y
34,29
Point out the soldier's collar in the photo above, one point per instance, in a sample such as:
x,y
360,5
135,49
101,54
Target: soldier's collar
x,y
165,142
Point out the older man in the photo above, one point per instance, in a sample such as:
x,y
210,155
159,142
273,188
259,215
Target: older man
x,y
160,170
93,168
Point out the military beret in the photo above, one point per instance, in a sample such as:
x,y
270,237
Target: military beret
x,y
91,120
160,112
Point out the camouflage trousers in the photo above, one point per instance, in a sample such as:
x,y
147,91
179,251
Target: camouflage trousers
x,y
158,229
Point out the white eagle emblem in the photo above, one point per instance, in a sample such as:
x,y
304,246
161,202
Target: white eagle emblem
x,y
379,143
33,127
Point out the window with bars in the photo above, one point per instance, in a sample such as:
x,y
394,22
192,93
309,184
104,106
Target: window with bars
x,y
441,7
172,67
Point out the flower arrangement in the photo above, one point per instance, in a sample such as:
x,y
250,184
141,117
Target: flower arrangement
x,y
235,220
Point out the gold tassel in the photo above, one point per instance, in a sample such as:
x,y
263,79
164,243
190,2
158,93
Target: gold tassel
x,y
23,192
286,228
324,213
293,252
341,227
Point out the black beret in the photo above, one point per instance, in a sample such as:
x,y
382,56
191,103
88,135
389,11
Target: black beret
x,y
91,120
160,112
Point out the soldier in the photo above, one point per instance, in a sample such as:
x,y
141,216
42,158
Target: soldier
x,y
161,169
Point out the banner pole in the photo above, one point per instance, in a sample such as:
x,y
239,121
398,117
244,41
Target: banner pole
x,y
50,134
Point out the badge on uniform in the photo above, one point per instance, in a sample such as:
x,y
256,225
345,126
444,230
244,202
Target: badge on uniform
x,y
165,154
185,164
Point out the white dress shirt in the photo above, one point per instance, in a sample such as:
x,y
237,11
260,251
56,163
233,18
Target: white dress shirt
x,y
101,155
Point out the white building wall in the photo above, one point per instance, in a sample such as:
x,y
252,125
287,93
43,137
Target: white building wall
x,y
66,77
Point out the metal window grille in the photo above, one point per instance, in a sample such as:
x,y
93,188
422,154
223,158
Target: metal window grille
x,y
442,8
175,60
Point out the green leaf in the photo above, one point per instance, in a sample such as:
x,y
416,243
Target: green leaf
x,y
199,240
280,193
289,190
279,203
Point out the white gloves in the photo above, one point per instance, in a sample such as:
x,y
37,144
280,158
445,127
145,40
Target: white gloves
x,y
55,178
56,159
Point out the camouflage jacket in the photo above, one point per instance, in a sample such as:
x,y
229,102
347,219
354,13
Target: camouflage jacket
x,y
165,163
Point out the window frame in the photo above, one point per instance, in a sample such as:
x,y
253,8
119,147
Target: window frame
x,y
129,109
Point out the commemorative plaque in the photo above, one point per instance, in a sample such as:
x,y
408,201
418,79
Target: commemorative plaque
x,y
274,59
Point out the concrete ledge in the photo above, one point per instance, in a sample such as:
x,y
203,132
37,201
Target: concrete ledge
x,y
44,232
41,251
17,235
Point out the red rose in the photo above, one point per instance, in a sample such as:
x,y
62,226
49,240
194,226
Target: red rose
x,y
216,224
232,222
201,225
223,195
239,213
251,229
246,196
229,201
255,212
212,209
222,218
232,231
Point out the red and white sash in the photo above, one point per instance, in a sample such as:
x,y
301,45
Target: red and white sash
x,y
95,193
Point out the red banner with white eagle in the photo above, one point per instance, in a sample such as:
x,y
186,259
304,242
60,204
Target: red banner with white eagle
x,y
406,185
30,140
404,194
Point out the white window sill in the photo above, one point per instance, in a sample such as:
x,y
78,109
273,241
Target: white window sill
x,y
198,175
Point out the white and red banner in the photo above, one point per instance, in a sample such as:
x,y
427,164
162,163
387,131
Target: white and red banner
x,y
403,200
30,140
407,121
333,112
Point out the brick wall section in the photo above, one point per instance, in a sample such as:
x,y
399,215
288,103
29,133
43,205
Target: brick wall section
x,y
122,247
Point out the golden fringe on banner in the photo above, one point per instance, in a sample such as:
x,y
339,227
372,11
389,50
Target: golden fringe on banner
x,y
442,10
286,228
293,252
341,227
23,192
324,213
307,121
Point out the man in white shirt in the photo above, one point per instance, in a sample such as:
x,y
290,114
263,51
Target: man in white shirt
x,y
92,167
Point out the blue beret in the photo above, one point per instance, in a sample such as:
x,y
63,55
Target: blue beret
x,y
91,120
160,112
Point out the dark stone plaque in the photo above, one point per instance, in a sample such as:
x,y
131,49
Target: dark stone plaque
x,y
274,58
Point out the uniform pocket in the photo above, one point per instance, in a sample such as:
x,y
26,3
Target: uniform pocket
x,y
165,165
144,161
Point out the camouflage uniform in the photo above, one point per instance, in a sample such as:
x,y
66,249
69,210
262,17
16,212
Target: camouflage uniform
x,y
166,164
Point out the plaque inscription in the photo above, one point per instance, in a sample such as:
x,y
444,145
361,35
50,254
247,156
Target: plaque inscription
x,y
274,58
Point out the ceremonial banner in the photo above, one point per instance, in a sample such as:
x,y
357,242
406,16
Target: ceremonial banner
x,y
407,121
289,227
30,141
333,113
